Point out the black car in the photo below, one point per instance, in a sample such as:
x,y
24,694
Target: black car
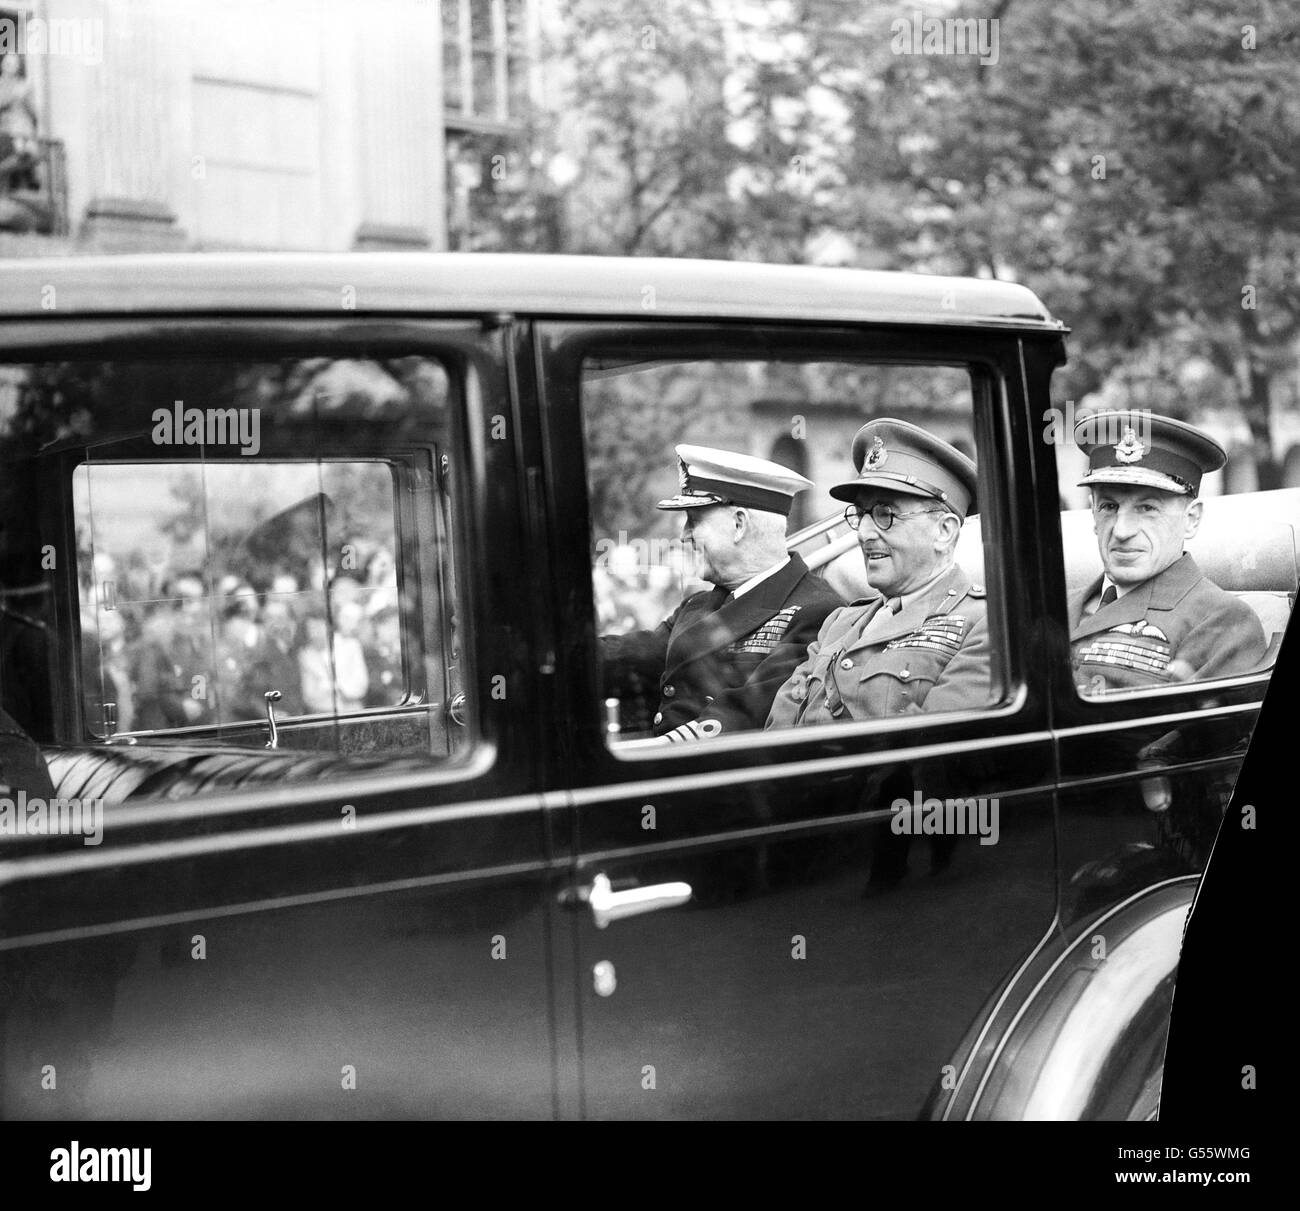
x,y
304,562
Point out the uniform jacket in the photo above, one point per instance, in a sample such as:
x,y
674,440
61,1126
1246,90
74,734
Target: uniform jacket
x,y
717,663
164,662
933,655
1177,626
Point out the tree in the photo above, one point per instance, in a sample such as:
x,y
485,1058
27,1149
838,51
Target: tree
x,y
1137,164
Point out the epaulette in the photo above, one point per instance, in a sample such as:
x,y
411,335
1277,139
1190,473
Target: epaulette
x,y
978,591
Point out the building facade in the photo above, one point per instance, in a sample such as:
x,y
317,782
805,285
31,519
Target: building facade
x,y
132,125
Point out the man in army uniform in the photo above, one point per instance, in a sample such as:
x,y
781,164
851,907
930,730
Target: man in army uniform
x,y
923,643
1153,617
720,657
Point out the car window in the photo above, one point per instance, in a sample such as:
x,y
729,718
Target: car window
x,y
664,676
1170,581
221,569
238,530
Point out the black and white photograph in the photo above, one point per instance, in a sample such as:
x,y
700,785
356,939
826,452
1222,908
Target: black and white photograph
x,y
676,560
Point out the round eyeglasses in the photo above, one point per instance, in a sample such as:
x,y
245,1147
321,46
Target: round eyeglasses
x,y
882,516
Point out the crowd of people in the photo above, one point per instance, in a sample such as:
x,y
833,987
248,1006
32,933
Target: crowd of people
x,y
202,653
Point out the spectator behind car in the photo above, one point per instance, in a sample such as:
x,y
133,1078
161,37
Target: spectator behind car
x,y
332,668
273,664
173,652
383,658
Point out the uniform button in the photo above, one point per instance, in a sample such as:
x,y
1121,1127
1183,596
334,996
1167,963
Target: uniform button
x,y
846,663
659,718
669,691
904,674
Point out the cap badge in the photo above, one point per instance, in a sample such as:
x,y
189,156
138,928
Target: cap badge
x,y
1128,449
683,476
876,456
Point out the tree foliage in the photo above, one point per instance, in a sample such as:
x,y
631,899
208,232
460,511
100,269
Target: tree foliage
x,y
1135,162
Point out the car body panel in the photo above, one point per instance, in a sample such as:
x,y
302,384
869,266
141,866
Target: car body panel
x,y
437,284
348,947
441,956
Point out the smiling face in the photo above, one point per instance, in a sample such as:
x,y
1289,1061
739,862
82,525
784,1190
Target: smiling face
x,y
915,548
1141,531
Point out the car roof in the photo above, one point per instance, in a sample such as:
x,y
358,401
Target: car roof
x,y
490,283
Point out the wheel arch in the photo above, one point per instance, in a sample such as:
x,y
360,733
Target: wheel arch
x,y
1079,1030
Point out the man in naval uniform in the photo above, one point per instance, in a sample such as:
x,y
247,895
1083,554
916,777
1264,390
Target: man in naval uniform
x,y
1153,618
922,643
719,658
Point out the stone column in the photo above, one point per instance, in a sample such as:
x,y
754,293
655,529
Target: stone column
x,y
128,158
399,127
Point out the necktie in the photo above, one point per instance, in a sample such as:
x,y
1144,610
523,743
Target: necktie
x,y
1108,596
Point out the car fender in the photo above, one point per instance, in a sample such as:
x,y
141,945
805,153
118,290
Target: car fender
x,y
1079,1030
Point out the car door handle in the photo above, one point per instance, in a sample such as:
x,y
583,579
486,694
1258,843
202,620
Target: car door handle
x,y
609,905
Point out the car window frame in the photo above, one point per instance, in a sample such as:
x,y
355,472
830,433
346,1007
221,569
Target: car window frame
x,y
468,349
401,468
993,360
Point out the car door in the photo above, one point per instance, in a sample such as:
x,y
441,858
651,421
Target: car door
x,y
356,924
752,936
1148,773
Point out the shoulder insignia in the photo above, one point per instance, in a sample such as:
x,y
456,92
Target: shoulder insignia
x,y
978,591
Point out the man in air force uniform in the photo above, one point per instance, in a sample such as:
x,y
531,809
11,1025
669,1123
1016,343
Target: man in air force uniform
x,y
1153,617
720,657
923,643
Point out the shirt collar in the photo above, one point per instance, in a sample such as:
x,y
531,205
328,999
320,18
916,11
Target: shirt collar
x,y
907,598
741,590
